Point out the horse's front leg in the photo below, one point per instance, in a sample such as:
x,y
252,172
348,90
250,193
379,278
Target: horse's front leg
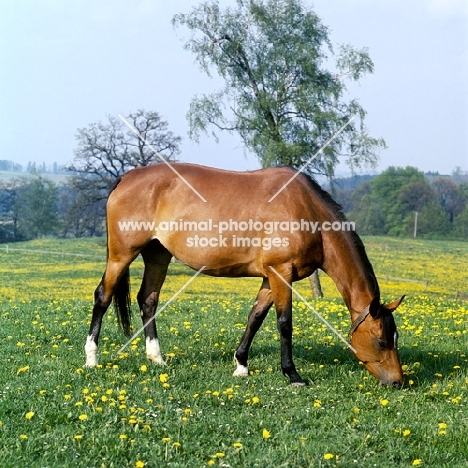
x,y
99,309
258,313
282,297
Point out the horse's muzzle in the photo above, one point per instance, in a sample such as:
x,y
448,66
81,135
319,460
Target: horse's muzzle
x,y
391,383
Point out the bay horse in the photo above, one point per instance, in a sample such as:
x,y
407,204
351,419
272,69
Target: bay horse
x,y
233,230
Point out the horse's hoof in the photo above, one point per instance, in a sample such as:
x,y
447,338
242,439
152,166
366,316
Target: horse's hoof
x,y
241,371
299,384
159,361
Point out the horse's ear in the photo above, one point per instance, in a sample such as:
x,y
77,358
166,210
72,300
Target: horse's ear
x,y
374,308
393,305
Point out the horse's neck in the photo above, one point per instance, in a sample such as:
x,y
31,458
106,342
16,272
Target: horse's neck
x,y
351,272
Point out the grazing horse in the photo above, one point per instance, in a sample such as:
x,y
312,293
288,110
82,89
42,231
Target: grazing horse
x,y
276,224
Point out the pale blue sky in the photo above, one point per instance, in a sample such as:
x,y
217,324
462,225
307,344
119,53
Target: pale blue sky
x,y
66,64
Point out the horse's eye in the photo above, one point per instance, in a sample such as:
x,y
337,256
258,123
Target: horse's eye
x,y
382,344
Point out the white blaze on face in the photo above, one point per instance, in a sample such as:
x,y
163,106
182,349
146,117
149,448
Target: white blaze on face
x,y
91,352
153,352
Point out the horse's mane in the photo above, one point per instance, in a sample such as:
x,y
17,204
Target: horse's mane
x,y
356,241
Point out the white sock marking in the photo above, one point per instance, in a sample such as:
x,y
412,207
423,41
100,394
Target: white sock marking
x,y
91,352
241,371
153,352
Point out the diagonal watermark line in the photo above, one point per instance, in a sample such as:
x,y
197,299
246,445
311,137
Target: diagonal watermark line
x,y
301,169
325,321
159,155
161,309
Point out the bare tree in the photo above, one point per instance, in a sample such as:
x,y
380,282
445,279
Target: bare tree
x,y
105,151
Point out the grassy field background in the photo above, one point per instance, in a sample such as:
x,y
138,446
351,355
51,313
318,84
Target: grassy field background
x,y
192,412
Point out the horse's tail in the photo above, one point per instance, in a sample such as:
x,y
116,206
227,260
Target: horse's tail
x,y
122,303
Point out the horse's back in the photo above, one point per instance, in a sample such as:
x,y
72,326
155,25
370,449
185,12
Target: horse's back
x,y
226,233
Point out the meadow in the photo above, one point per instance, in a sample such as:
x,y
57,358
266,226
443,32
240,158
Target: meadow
x,y
192,412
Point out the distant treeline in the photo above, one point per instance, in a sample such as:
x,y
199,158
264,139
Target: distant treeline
x,y
11,166
405,202
385,204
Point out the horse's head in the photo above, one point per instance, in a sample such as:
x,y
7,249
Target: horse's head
x,y
374,337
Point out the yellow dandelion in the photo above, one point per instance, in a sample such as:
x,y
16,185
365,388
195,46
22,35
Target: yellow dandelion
x,y
328,456
255,400
82,417
176,444
210,462
122,436
163,378
78,437
220,454
406,433
417,462
23,436
166,439
266,434
139,464
237,445
30,415
22,369
143,368
384,402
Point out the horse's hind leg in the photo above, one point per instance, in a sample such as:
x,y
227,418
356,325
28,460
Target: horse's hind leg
x,y
115,271
156,258
256,316
282,297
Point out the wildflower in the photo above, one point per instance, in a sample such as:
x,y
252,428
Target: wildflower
x,y
384,402
266,434
139,464
163,378
143,368
176,444
23,436
22,369
78,437
417,462
82,417
210,462
166,439
237,445
317,403
220,454
122,436
255,399
328,456
29,415
406,433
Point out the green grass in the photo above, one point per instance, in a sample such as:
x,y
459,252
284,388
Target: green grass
x,y
192,412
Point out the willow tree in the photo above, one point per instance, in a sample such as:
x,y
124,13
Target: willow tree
x,y
284,88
